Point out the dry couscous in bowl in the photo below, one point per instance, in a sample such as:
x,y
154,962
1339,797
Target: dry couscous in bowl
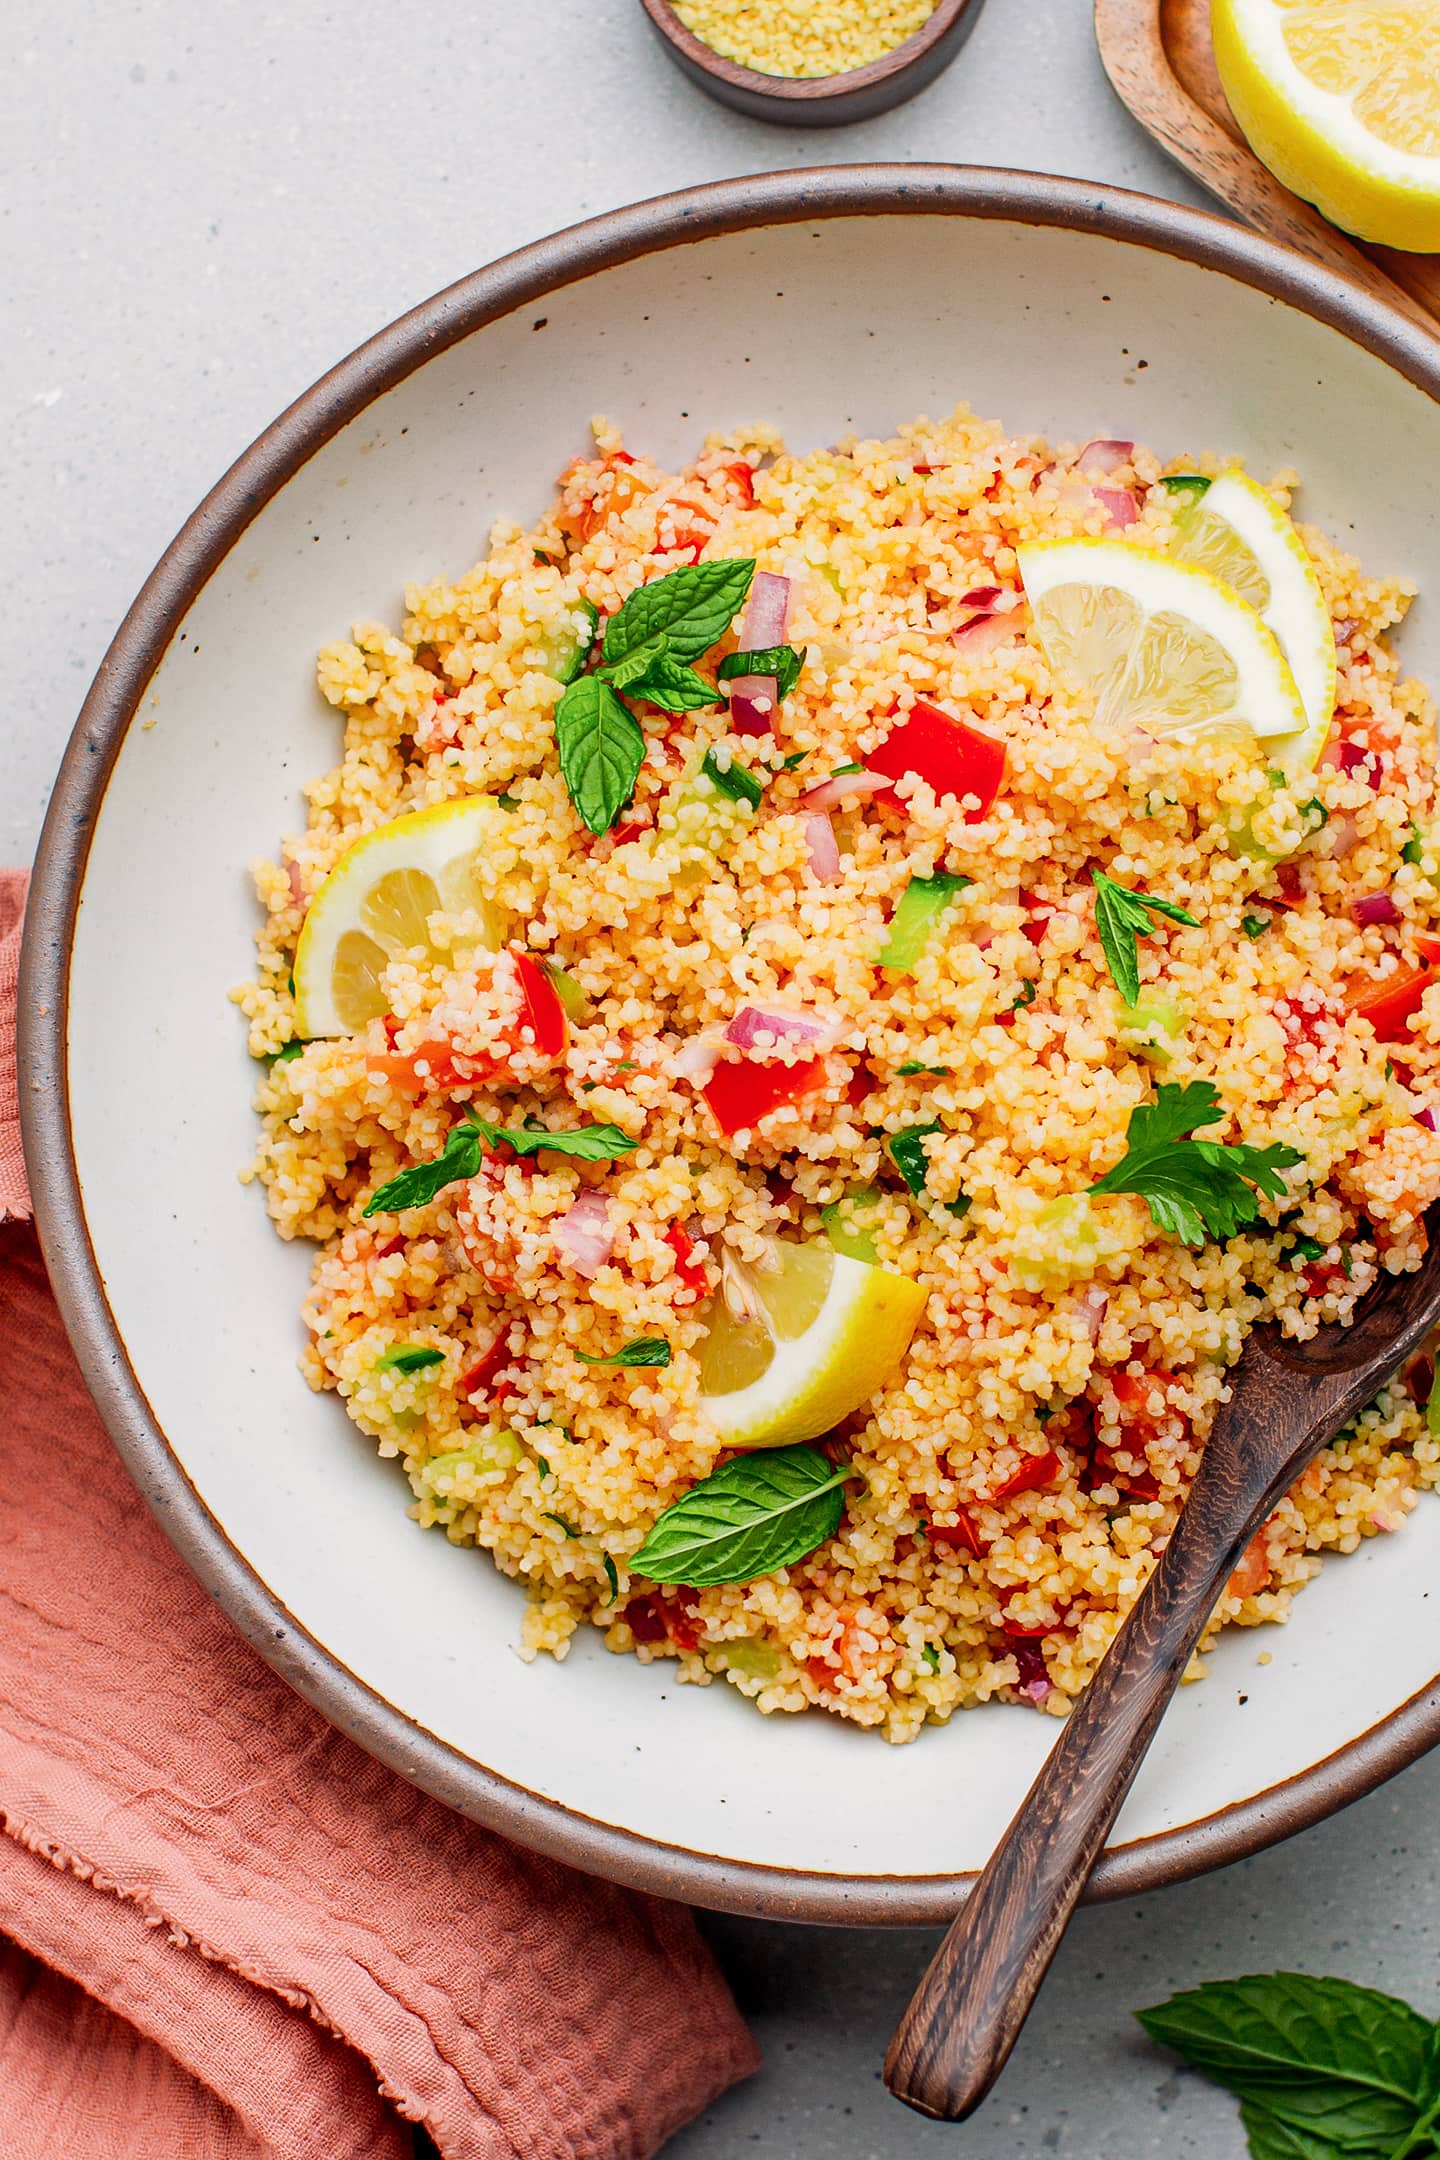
x,y
827,993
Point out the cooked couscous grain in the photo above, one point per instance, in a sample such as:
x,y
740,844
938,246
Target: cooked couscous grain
x,y
782,37
1016,1473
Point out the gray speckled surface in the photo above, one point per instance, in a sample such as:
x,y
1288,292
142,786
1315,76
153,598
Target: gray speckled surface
x,y
203,208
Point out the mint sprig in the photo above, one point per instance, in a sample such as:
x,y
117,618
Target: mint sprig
x,y
1122,917
1194,1188
648,644
782,663
467,1144
645,1350
1324,2069
759,1513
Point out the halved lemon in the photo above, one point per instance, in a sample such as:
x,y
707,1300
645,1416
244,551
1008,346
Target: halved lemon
x,y
1158,644
377,902
822,1333
1341,99
1240,535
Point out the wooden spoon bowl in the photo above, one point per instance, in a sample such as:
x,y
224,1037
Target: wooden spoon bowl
x,y
1287,1401
820,100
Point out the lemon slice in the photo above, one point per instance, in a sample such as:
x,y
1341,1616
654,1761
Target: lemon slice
x,y
1341,99
1240,535
377,902
1159,645
823,1331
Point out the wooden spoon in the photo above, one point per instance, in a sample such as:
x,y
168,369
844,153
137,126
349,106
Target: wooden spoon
x,y
1288,1400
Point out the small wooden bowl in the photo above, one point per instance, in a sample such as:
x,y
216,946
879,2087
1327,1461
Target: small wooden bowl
x,y
820,100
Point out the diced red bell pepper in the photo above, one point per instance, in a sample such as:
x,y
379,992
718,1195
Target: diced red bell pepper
x,y
1035,1471
962,1535
540,1008
954,758
1392,1005
401,1068
690,1270
743,474
1025,1630
483,1371
742,1093
1133,1394
655,1618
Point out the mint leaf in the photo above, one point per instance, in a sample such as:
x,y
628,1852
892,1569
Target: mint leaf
x,y
1322,2065
627,671
1193,1188
736,781
418,1186
645,1350
693,607
408,1358
761,1512
673,686
586,1143
601,750
782,662
1254,925
1121,917
907,1152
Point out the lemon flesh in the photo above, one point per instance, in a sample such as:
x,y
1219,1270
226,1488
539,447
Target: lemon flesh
x,y
828,1332
1341,99
378,901
1157,644
1240,535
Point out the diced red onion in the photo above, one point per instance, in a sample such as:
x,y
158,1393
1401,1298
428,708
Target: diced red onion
x,y
1345,629
1426,1118
1344,836
767,613
1375,908
754,1021
753,699
823,846
586,1233
297,883
844,787
1037,1690
1094,1303
983,596
1119,505
1101,456
983,633
1346,755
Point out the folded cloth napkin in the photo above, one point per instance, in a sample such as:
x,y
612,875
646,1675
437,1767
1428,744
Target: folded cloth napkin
x,y
226,1933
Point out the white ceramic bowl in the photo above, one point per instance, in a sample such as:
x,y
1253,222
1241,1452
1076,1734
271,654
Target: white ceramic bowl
x,y
822,301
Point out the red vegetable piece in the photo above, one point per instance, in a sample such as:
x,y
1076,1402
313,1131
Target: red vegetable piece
x,y
540,1007
953,757
741,1094
1032,1671
483,1371
1391,1006
1035,1471
690,1270
962,1534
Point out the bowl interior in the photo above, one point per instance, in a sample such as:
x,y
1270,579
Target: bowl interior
x,y
846,322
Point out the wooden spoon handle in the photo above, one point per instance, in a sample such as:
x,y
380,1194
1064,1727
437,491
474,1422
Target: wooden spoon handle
x,y
966,2015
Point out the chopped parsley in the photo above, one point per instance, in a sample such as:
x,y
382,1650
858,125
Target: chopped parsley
x,y
907,1151
1254,925
736,781
1122,918
1194,1188
472,1139
408,1358
645,1350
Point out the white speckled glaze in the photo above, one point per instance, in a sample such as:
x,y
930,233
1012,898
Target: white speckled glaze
x,y
830,322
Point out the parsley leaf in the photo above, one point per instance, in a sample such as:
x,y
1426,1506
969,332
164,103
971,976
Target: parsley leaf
x,y
782,662
736,781
914,1065
1323,2068
1121,917
693,607
796,757
645,1350
601,750
587,1143
287,1051
1254,925
907,1152
1194,1188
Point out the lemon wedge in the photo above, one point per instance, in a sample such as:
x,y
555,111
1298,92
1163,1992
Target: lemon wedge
x,y
1341,99
377,902
1159,645
1240,535
815,1336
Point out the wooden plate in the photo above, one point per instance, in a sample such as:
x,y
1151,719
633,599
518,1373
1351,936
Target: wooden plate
x,y
1158,56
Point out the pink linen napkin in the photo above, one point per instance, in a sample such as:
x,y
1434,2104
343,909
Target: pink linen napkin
x,y
226,1933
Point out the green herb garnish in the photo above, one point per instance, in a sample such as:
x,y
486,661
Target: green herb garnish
x,y
1306,1249
1323,2069
840,770
782,663
1028,995
906,1149
796,757
568,1527
736,781
469,1141
645,1350
1190,485
904,1072
931,1656
408,1358
508,802
1194,1188
647,647
1414,849
287,1051
611,1577
1123,917
1254,925
761,1512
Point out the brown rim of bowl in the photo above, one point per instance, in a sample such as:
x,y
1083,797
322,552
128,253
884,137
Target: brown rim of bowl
x,y
517,281
851,85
